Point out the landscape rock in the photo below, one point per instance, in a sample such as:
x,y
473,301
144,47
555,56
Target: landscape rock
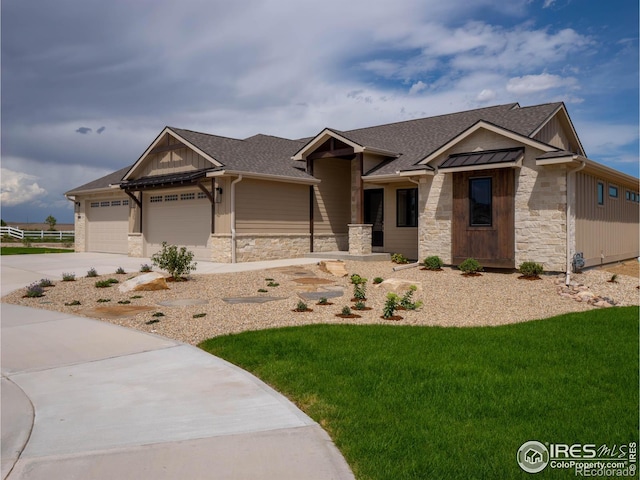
x,y
147,282
398,285
333,267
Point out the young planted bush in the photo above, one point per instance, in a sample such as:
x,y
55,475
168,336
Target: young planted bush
x,y
323,301
470,266
301,306
433,263
378,280
45,282
92,273
399,258
34,290
359,287
106,283
345,311
177,262
144,268
120,271
359,305
531,269
68,277
390,306
407,300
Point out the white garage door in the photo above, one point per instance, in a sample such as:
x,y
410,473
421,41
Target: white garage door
x,y
108,225
182,219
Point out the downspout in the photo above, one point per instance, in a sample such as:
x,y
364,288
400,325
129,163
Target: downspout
x,y
233,218
570,214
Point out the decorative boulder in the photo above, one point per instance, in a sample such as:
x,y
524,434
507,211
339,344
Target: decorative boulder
x,y
398,285
334,267
144,283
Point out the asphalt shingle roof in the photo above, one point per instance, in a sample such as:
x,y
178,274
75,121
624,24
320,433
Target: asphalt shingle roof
x,y
412,140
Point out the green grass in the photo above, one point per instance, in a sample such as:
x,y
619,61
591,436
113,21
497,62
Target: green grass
x,y
31,250
426,402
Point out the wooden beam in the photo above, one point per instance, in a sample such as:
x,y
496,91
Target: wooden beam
x,y
341,152
360,187
134,198
311,203
213,207
167,148
206,192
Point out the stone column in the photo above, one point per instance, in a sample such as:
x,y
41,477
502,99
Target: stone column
x,y
135,244
360,239
80,227
220,245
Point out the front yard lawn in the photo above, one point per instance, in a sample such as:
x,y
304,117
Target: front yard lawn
x,y
31,250
406,402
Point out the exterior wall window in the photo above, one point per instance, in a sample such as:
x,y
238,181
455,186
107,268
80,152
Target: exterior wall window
x,y
115,203
407,207
104,204
613,191
480,202
628,194
600,193
201,195
125,202
187,196
171,198
155,198
95,204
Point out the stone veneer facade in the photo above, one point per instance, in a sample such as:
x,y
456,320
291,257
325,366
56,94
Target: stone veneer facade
x,y
80,227
360,239
540,215
135,244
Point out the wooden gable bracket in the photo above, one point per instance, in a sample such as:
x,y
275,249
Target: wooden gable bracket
x,y
134,198
206,192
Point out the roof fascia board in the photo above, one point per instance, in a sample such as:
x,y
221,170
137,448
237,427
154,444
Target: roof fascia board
x,y
380,151
416,173
383,178
168,131
562,108
264,176
481,124
320,139
596,168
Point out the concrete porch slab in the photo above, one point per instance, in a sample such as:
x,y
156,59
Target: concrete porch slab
x,y
372,257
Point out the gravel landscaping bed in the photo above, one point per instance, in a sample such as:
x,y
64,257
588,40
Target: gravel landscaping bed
x,y
449,299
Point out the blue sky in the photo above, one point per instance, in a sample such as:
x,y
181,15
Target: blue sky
x,y
87,85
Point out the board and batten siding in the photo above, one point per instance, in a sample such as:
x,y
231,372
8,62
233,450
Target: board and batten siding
x,y
554,133
173,161
605,233
332,203
271,207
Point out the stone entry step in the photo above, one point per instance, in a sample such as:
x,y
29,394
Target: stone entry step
x,y
370,257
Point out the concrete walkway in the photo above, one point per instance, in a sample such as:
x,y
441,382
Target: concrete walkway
x,y
86,399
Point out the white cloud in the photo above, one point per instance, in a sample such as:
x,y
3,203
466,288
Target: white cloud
x,y
417,87
486,95
19,187
536,83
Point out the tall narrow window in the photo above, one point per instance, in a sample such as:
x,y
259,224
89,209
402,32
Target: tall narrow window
x,y
407,207
600,193
480,202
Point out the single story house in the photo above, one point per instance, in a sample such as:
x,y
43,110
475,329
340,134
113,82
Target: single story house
x,y
503,184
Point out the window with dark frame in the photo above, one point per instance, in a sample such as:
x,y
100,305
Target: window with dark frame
x,y
613,191
600,193
407,207
480,202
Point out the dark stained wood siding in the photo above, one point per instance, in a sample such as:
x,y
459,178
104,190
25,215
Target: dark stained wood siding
x,y
492,246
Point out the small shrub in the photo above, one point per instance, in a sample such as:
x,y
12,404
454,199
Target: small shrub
x,y
407,300
124,302
68,277
151,322
104,300
346,311
357,279
113,280
103,284
72,304
399,258
359,287
378,280
199,315
262,290
359,305
120,271
158,314
614,278
273,284
144,268
45,282
135,297
177,262
470,265
390,305
92,273
34,290
433,263
323,301
531,269
269,280
301,306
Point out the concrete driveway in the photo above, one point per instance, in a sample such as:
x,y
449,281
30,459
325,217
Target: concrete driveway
x,y
90,400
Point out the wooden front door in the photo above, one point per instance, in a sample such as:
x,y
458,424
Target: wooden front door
x,y
483,217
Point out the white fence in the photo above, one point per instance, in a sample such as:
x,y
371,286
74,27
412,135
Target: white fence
x,y
36,234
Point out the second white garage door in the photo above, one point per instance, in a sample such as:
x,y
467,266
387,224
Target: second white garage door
x,y
182,219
